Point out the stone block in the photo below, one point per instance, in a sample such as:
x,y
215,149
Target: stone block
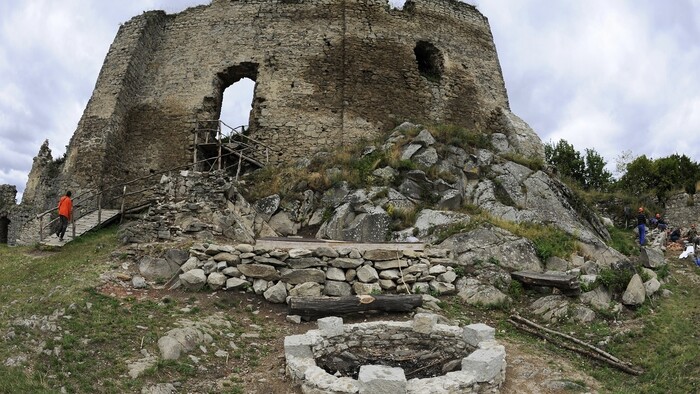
x,y
424,323
300,345
331,326
475,333
374,379
486,364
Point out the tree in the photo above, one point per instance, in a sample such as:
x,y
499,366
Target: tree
x,y
567,160
595,174
640,177
588,172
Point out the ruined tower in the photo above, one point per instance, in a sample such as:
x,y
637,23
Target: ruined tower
x,y
326,73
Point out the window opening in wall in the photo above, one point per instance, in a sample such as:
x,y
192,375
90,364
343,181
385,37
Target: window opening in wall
x,y
4,229
430,62
397,4
237,103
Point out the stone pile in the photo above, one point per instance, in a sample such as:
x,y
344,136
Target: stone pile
x,y
482,365
328,271
199,205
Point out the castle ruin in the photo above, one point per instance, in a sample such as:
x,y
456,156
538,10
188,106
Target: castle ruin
x,y
326,73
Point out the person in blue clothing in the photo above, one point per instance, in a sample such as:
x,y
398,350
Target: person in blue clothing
x,y
641,225
661,223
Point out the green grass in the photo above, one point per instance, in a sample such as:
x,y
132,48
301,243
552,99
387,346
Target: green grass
x,y
623,241
95,335
667,347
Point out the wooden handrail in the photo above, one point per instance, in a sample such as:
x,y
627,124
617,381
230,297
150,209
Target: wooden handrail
x,y
96,196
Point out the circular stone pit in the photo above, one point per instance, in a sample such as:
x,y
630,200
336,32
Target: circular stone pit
x,y
417,356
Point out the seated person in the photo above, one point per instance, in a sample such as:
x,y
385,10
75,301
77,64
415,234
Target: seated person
x,y
675,235
653,222
661,224
692,234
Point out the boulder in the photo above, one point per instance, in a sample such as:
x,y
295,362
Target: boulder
x,y
410,150
651,286
157,269
176,256
492,243
635,294
476,293
260,271
367,274
260,285
390,264
216,280
308,289
599,298
276,294
424,138
521,139
336,274
267,206
236,284
555,263
305,262
652,258
343,262
337,289
429,219
193,279
303,276
551,308
366,288
283,224
426,158
382,254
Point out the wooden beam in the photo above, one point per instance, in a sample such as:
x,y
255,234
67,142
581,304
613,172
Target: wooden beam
x,y
320,306
560,281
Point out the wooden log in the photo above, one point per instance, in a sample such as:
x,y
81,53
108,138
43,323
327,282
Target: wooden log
x,y
625,367
320,306
565,282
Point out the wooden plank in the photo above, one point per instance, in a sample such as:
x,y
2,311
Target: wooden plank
x,y
563,281
313,243
319,306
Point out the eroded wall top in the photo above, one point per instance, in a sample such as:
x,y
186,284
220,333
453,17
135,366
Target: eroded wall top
x,y
327,72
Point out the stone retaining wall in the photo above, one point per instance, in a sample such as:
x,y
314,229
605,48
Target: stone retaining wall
x,y
322,271
482,370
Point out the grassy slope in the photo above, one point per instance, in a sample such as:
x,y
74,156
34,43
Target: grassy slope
x,y
94,342
97,333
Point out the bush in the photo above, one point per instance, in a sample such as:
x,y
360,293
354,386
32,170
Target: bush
x,y
615,280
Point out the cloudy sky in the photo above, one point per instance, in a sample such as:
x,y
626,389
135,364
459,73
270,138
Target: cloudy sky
x,y
609,75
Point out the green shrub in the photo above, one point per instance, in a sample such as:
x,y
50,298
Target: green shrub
x,y
550,241
615,280
515,289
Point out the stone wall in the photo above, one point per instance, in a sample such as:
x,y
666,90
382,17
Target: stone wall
x,y
332,271
8,193
482,368
682,210
326,72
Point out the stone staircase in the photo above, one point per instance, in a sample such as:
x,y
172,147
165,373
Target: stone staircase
x,y
82,225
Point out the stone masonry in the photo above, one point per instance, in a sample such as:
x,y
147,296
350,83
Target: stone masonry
x,y
326,73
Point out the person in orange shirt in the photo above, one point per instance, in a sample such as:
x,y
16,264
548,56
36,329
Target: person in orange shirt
x,y
65,214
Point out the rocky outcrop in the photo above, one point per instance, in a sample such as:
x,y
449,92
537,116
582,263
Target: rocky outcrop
x,y
494,245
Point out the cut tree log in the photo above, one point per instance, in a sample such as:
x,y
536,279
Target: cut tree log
x,y
568,283
323,306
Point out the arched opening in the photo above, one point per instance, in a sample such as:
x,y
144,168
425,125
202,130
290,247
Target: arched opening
x,y
430,61
228,116
237,103
4,229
